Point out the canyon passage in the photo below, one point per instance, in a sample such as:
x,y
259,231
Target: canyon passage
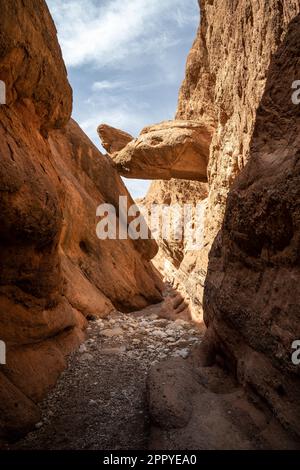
x,y
147,343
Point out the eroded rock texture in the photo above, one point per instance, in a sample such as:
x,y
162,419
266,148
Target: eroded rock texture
x,y
113,140
239,81
54,272
252,292
225,79
171,149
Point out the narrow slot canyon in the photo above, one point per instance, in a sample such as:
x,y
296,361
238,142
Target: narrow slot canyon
x,y
123,328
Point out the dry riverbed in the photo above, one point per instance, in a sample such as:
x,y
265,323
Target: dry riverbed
x,y
100,399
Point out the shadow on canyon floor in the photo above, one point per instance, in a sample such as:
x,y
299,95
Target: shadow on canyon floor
x,y
100,401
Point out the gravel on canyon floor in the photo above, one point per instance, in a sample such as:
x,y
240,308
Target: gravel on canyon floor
x,y
100,400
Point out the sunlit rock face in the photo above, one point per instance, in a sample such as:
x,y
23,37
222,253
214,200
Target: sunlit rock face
x,y
239,81
54,272
113,140
225,79
171,149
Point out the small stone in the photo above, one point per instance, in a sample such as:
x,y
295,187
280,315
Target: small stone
x,y
191,332
184,353
169,332
181,322
153,316
136,341
171,339
86,357
92,402
158,334
39,425
117,350
109,333
82,348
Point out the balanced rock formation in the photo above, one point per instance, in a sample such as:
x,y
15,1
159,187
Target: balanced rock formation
x,y
113,140
252,291
54,271
171,149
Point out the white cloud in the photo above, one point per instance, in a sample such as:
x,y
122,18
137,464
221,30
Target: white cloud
x,y
125,60
108,32
107,85
121,117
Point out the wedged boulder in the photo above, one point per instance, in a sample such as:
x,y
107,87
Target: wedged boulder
x,y
113,140
171,149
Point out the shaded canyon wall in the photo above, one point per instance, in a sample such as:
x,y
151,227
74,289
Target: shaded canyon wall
x,y
54,272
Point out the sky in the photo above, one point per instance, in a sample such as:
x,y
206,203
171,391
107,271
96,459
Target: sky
x,y
125,61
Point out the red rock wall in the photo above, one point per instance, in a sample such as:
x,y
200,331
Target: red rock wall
x,y
252,291
54,272
225,78
240,88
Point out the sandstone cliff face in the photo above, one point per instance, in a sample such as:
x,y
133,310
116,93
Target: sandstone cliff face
x,y
252,296
225,79
54,272
242,90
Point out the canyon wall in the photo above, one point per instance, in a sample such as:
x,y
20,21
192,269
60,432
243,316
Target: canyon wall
x,y
54,272
252,293
225,78
239,81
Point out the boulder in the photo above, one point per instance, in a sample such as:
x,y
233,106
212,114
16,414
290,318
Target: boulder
x,y
113,140
170,386
171,149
